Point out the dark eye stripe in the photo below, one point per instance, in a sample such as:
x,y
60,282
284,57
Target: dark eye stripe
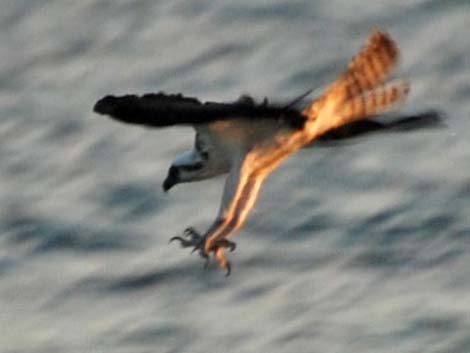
x,y
192,167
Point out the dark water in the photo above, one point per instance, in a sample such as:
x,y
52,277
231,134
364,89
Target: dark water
x,y
364,247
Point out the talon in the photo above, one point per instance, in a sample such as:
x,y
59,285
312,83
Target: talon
x,y
228,267
183,242
223,262
205,246
190,231
224,243
191,238
203,254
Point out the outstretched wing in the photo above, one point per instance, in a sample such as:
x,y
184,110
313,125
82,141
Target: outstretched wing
x,y
160,110
362,90
368,68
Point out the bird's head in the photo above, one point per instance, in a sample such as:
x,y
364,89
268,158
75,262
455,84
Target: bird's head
x,y
187,167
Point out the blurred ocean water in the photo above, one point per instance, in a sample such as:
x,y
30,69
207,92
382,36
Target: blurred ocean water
x,y
362,247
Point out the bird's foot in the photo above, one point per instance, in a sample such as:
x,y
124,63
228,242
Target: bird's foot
x,y
204,246
191,238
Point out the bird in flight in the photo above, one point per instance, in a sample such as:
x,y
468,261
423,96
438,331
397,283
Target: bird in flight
x,y
248,140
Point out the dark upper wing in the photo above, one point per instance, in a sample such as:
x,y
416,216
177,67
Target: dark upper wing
x,y
160,110
431,119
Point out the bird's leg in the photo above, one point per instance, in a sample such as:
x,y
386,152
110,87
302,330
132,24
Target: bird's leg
x,y
240,193
239,212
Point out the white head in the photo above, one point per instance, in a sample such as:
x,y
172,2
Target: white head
x,y
185,168
194,165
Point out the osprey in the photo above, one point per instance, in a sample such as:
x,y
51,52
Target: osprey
x,y
248,140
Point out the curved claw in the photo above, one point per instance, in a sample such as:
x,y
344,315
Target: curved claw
x,y
175,238
190,231
222,260
228,267
201,253
206,263
191,238
224,243
183,242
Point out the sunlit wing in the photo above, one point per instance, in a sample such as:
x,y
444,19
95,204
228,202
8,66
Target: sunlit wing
x,y
366,70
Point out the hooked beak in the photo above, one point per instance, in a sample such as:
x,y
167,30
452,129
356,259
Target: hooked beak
x,y
171,179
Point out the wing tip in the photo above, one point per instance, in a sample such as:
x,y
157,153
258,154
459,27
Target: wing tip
x,y
382,39
105,105
108,104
